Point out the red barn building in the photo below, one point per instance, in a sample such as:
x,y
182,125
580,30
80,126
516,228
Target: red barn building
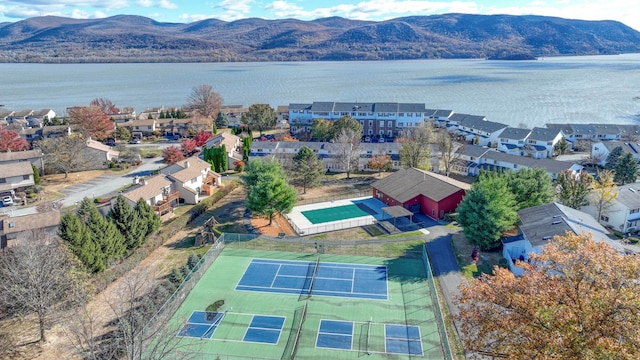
x,y
421,191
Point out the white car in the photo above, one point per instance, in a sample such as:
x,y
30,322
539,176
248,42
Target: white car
x,y
7,201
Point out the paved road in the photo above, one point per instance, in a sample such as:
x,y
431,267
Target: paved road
x,y
100,186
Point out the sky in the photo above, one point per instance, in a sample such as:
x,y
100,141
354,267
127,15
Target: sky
x,y
185,11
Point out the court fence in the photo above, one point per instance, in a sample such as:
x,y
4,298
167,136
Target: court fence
x,y
338,196
446,349
332,226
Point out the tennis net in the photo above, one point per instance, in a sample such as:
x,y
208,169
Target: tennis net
x,y
297,339
313,277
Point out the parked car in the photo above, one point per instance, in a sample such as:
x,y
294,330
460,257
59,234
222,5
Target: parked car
x,y
7,201
381,140
134,140
110,142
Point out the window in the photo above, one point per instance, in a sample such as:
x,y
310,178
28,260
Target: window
x,y
3,181
400,124
26,177
389,123
381,123
634,211
194,180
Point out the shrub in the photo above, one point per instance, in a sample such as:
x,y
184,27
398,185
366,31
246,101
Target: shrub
x,y
112,164
176,277
215,306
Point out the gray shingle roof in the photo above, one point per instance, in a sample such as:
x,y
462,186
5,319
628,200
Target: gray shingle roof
x,y
474,150
320,106
352,106
515,133
406,184
541,223
550,165
443,113
20,155
477,122
565,128
543,134
629,195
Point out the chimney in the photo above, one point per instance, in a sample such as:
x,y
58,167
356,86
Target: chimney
x,y
144,182
186,164
135,180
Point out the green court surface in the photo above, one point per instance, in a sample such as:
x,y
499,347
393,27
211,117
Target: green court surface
x,y
409,304
343,212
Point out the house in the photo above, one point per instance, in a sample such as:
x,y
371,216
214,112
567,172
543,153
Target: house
x,y
16,228
104,154
16,175
513,140
34,157
600,150
42,116
192,178
541,142
234,114
624,213
231,143
421,191
541,223
140,128
157,191
476,129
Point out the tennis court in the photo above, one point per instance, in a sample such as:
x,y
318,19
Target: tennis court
x,y
268,315
323,279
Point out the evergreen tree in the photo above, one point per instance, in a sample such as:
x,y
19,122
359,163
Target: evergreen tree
x,y
193,260
308,169
185,270
612,158
80,243
221,120
176,276
224,159
268,190
530,186
128,222
36,175
148,217
106,236
487,210
626,169
246,148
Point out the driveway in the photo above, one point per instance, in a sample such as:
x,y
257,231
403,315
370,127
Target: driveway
x,y
100,186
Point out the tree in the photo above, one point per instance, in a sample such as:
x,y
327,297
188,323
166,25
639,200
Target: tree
x,y
148,217
415,148
91,121
78,238
201,138
572,189
268,191
105,105
246,148
321,129
561,147
487,210
204,101
36,276
612,158
66,154
222,121
104,233
380,162
347,123
172,154
578,299
260,117
128,223
603,193
308,169
347,142
11,141
122,133
449,149
626,169
36,174
189,146
530,187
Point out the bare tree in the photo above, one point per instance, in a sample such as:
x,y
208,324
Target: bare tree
x,y
204,101
48,206
106,105
449,149
66,154
36,276
415,150
347,141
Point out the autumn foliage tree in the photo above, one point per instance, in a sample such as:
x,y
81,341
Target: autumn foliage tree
x,y
201,138
11,141
172,154
380,162
189,146
578,299
603,193
91,121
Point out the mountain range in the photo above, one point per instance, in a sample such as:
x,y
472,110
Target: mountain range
x,y
127,38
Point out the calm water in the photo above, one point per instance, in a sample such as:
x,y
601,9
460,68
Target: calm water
x,y
568,89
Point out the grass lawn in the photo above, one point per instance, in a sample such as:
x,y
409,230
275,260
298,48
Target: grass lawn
x,y
470,270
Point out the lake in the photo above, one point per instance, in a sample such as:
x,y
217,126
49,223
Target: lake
x,y
588,89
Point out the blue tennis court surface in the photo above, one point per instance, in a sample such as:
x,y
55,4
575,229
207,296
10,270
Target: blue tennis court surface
x,y
201,324
331,279
264,329
334,334
402,339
